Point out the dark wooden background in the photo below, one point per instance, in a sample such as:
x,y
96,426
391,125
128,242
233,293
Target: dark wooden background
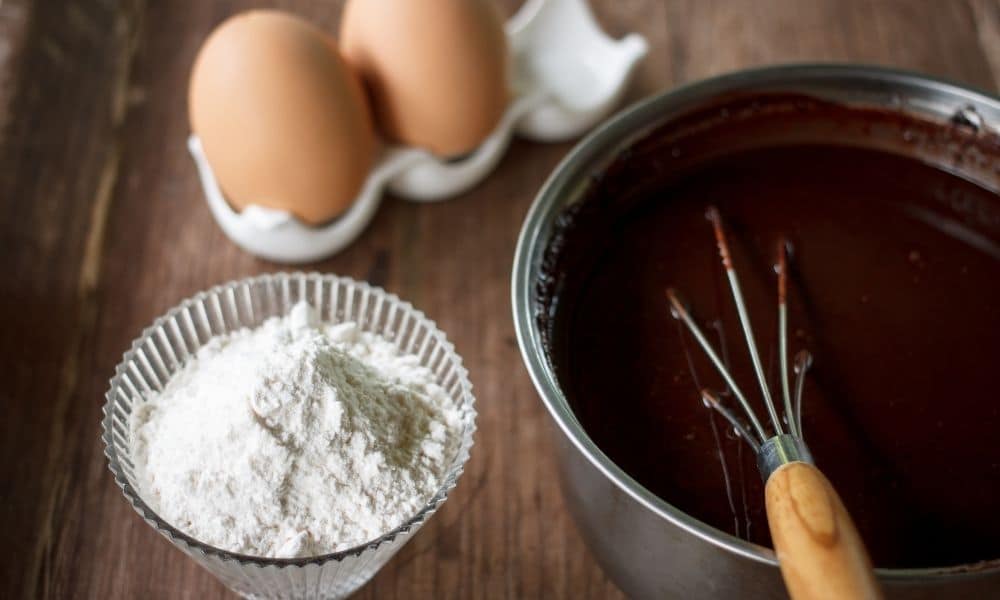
x,y
103,227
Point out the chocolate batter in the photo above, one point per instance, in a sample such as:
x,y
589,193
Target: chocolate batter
x,y
895,289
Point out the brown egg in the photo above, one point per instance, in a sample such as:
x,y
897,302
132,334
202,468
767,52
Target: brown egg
x,y
282,119
436,70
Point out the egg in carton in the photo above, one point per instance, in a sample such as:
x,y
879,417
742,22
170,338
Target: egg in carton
x,y
567,75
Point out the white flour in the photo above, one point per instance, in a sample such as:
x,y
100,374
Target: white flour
x,y
294,439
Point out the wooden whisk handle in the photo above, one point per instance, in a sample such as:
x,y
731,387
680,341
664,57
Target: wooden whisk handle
x,y
818,547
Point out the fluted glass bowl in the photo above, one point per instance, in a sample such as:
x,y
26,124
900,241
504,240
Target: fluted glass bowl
x,y
174,338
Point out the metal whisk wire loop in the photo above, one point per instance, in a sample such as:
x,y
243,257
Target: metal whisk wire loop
x,y
772,448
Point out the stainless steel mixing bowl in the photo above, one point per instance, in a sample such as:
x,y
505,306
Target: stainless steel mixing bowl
x,y
648,547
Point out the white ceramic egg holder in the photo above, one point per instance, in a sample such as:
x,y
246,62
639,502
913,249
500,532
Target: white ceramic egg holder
x,y
568,75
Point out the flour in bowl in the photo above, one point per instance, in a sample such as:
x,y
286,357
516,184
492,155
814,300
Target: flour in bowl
x,y
294,439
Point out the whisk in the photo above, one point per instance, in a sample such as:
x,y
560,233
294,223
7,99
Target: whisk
x,y
818,547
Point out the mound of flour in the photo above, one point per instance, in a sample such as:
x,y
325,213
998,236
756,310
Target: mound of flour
x,y
294,439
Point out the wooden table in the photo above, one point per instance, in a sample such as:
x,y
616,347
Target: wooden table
x,y
103,227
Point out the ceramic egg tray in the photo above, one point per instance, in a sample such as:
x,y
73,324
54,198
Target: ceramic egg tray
x,y
568,75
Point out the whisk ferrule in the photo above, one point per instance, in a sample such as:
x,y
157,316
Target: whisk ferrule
x,y
781,450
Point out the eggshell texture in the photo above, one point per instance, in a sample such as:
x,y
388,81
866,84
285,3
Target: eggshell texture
x,y
436,70
283,121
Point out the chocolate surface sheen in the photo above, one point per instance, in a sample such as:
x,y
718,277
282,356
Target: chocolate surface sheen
x,y
894,289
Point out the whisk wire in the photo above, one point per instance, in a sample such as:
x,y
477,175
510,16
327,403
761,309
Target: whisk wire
x,y
791,396
803,360
712,400
782,269
679,311
741,310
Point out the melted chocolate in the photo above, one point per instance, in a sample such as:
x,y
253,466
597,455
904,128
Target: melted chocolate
x,y
895,289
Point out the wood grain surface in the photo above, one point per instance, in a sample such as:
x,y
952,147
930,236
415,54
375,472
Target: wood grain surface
x,y
103,227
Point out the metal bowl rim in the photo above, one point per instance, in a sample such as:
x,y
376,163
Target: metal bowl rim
x,y
531,244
